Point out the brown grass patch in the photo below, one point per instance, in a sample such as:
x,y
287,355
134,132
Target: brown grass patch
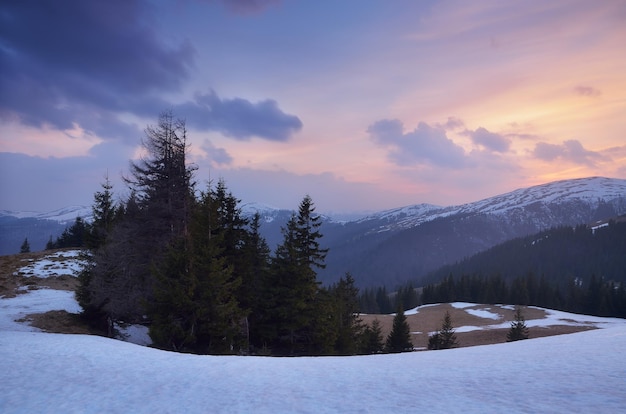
x,y
429,320
58,321
11,279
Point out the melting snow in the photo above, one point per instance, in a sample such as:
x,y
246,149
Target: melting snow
x,y
55,265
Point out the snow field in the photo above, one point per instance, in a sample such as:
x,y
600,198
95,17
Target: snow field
x,y
53,373
47,373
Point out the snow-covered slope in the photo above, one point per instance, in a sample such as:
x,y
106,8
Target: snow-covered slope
x,y
591,192
62,215
49,373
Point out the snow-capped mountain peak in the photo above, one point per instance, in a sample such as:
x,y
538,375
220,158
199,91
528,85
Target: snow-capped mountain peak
x,y
61,215
590,191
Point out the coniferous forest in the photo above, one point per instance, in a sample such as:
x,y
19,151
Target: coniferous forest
x,y
185,262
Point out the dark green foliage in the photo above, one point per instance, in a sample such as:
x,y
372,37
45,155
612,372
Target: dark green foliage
x,y
407,296
593,295
445,338
202,276
399,339
371,339
195,306
50,244
375,301
25,247
293,287
561,253
121,281
518,330
104,215
74,236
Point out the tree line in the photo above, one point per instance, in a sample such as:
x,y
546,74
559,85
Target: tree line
x,y
593,296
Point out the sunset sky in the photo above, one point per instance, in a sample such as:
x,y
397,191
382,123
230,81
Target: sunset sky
x,y
363,104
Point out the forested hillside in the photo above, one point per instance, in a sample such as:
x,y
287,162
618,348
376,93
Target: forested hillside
x,y
560,254
580,269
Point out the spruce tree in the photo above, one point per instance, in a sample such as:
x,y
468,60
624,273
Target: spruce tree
x,y
518,330
293,286
104,212
155,216
25,247
371,339
399,339
445,338
348,323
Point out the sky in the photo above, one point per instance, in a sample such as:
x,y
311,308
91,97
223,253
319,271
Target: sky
x,y
364,105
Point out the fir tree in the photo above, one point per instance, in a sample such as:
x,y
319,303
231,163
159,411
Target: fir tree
x,y
371,339
121,280
518,330
347,315
104,212
293,286
25,247
399,339
445,338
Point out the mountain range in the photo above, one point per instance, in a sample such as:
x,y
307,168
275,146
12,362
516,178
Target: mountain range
x,y
393,246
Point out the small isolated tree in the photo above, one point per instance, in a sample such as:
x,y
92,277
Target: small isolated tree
x,y
372,339
399,339
445,338
518,330
25,247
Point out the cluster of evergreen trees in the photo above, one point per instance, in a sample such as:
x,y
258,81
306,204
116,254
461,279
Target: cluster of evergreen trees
x,y
593,296
379,300
189,265
79,234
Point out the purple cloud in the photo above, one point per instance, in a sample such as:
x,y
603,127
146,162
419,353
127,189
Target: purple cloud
x,y
246,7
423,144
61,60
239,118
86,63
571,150
490,140
216,155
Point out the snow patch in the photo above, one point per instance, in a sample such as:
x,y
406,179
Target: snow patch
x,y
483,313
50,265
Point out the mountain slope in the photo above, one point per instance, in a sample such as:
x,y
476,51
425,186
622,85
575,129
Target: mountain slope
x,y
559,254
37,227
389,249
397,245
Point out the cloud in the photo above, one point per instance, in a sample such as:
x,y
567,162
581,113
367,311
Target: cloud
x,y
490,140
425,144
216,155
587,91
239,118
452,123
571,150
247,7
91,63
63,59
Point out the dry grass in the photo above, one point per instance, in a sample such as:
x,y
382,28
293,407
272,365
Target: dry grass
x,y
429,320
11,279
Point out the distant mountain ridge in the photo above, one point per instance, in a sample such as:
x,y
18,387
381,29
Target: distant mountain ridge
x,y
393,246
396,245
65,215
